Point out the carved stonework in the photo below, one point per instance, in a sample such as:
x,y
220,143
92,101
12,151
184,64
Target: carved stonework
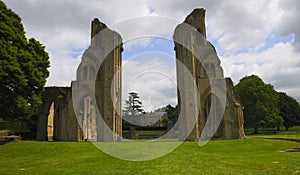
x,y
98,114
100,69
200,58
204,93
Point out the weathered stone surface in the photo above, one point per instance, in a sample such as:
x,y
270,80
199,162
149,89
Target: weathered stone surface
x,y
65,126
197,55
204,93
100,68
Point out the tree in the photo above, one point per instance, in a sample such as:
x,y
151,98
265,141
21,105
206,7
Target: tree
x,y
23,69
133,106
173,113
289,109
260,103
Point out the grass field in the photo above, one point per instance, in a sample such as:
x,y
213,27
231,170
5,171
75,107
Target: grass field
x,y
255,155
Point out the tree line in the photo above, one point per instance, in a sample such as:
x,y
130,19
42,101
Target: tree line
x,y
264,106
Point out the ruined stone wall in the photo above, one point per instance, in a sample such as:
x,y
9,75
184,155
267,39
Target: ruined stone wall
x,y
65,127
98,83
199,57
101,69
108,84
97,89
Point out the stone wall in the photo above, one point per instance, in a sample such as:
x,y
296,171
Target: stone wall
x,y
204,93
97,86
95,96
65,126
99,79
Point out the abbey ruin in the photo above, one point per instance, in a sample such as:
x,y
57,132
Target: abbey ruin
x,y
208,106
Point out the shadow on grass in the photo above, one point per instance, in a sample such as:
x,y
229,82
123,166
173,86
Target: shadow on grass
x,y
273,131
285,139
4,142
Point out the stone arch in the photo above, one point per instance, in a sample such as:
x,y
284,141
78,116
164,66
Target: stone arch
x,y
85,73
106,50
103,61
207,96
212,108
201,73
86,114
213,70
92,73
50,96
87,68
207,66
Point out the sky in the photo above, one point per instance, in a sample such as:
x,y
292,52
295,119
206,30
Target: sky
x,y
260,37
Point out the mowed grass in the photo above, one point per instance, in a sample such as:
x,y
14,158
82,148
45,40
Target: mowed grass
x,y
292,133
159,132
250,156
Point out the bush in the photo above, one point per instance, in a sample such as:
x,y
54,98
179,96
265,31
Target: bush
x,y
4,125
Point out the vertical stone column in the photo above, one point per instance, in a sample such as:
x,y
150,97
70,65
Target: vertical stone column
x,y
187,39
208,105
240,115
107,48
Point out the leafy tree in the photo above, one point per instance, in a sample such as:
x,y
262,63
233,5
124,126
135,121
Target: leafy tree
x,y
133,106
260,103
289,109
23,69
165,121
173,113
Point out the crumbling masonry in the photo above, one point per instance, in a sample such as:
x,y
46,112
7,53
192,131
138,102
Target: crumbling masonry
x,y
98,109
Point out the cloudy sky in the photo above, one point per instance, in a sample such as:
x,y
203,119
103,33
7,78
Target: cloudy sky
x,y
259,37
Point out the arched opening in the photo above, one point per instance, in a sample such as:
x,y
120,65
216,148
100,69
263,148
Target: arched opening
x,y
92,73
213,70
87,119
85,73
50,128
213,109
206,66
53,118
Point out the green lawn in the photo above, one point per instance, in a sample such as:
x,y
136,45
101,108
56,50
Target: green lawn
x,y
251,156
294,132
160,132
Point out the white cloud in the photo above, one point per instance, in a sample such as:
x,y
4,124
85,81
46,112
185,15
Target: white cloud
x,y
235,26
136,43
64,70
279,66
239,25
289,21
64,26
152,75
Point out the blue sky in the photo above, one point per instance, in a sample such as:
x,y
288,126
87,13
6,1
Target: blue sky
x,y
150,71
156,44
252,37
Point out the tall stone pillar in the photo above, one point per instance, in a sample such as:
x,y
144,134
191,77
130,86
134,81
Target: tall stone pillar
x,y
99,77
187,38
206,98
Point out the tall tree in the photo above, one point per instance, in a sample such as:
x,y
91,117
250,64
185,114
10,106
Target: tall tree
x,y
260,103
23,69
133,106
289,109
